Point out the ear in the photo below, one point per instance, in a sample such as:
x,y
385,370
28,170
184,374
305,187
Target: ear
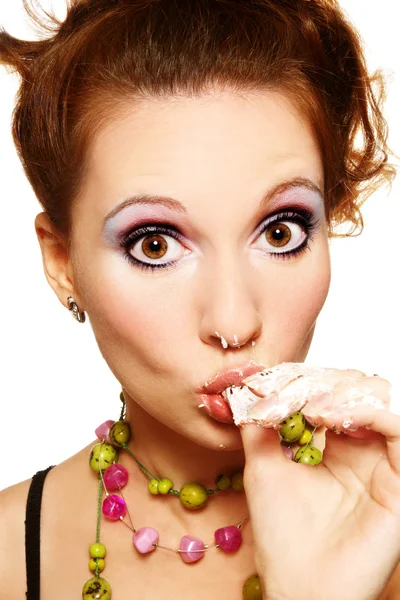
x,y
57,263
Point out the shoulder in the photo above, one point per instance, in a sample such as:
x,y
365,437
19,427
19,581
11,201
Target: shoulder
x,y
12,540
60,500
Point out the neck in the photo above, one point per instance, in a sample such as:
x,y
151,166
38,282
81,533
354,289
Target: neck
x,y
167,454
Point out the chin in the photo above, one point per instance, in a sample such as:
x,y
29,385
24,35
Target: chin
x,y
218,436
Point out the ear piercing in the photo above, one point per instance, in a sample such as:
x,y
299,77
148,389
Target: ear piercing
x,y
74,308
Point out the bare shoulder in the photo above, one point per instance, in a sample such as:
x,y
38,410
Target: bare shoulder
x,y
55,523
12,540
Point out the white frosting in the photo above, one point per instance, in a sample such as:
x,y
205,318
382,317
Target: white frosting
x,y
270,396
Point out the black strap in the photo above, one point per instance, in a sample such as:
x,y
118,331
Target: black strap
x,y
32,534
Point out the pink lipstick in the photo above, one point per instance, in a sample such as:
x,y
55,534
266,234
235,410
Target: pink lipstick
x,y
210,392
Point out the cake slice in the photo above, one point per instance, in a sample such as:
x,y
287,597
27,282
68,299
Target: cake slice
x,y
270,396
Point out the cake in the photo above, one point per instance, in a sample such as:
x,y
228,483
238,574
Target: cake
x,y
270,396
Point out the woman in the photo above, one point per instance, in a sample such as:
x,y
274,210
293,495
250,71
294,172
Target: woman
x,y
192,160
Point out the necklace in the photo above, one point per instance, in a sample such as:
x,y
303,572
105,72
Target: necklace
x,y
114,436
192,495
112,476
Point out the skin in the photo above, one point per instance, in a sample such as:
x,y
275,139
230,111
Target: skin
x,y
137,316
157,331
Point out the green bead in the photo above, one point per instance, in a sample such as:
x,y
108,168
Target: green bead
x,y
97,550
96,588
120,433
193,495
223,482
306,437
252,588
102,456
237,481
153,487
292,428
308,455
99,562
164,485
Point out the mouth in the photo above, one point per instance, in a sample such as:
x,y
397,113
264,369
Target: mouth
x,y
210,393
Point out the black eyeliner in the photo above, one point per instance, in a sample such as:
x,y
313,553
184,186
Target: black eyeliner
x,y
298,215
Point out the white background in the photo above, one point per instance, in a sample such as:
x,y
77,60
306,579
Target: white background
x,y
55,387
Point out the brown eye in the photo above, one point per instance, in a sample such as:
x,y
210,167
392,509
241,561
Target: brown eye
x,y
278,234
154,246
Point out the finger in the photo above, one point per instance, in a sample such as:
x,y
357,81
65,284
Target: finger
x,y
350,392
363,434
381,421
262,443
321,390
366,390
333,376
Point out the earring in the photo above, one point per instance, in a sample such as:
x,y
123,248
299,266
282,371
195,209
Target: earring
x,y
74,308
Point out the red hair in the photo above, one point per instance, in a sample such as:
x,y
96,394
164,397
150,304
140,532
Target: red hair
x,y
108,52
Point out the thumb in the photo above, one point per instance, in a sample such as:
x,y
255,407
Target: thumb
x,y
261,443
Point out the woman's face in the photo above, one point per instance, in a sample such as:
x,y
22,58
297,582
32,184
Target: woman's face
x,y
219,252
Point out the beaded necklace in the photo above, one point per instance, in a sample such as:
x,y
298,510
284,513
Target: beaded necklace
x,y
113,437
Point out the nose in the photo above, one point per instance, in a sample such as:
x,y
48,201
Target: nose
x,y
230,315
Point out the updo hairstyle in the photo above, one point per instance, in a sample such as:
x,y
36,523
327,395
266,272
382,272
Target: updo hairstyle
x,y
107,54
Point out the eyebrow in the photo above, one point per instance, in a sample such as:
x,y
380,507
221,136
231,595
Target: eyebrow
x,y
176,205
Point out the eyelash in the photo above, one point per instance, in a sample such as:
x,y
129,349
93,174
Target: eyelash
x,y
129,239
301,216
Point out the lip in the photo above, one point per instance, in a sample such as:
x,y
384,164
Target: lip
x,y
232,376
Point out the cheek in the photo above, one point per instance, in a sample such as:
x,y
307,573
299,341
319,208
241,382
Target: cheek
x,y
309,294
133,312
294,296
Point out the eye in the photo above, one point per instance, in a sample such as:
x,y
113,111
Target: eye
x,y
286,233
153,247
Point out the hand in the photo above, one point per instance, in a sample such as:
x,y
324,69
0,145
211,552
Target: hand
x,y
328,531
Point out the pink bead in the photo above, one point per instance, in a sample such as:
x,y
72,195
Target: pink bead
x,y
228,538
114,507
144,539
115,476
192,549
288,452
103,430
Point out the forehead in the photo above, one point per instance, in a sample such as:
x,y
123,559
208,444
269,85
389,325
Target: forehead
x,y
201,147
